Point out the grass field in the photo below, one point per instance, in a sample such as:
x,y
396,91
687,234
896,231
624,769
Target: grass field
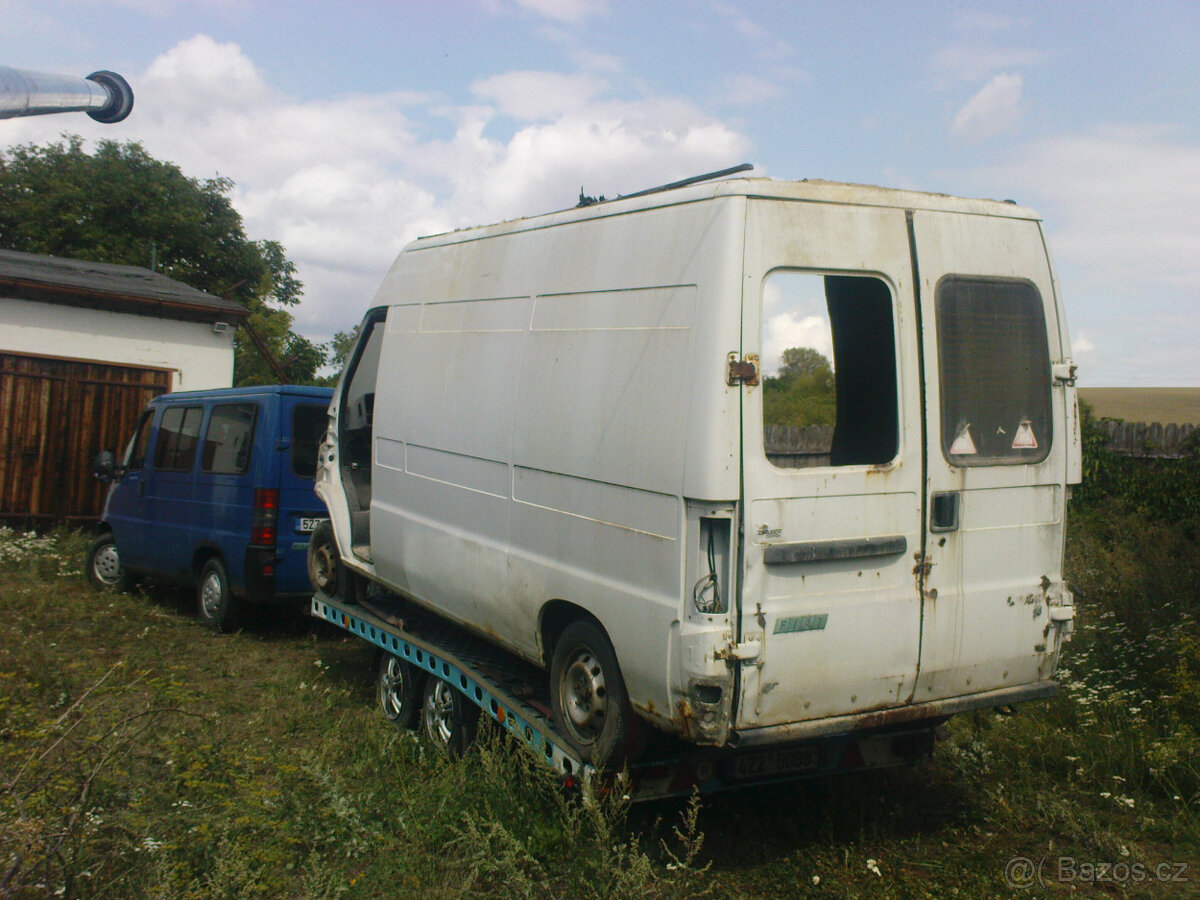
x,y
1180,406
143,756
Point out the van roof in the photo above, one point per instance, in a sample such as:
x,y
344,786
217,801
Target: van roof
x,y
811,191
299,390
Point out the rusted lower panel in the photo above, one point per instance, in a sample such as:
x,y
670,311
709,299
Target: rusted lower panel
x,y
55,416
893,716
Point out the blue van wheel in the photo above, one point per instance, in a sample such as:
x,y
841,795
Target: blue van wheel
x,y
103,565
216,603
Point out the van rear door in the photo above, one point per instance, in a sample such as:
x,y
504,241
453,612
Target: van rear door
x,y
303,421
830,614
997,454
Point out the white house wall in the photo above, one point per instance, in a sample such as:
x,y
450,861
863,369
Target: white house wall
x,y
198,357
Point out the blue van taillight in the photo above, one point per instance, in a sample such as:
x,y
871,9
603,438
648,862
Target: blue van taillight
x,y
266,517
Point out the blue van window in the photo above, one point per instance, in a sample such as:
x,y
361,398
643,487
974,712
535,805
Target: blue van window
x,y
177,437
228,439
308,427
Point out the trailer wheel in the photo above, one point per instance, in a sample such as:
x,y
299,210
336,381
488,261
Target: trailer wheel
x,y
448,719
587,694
324,562
216,603
103,565
399,690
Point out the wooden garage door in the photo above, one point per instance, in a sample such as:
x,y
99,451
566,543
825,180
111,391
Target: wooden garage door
x,y
55,416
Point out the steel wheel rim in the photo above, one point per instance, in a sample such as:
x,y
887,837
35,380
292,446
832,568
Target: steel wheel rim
x,y
322,567
584,695
391,689
106,564
210,595
439,712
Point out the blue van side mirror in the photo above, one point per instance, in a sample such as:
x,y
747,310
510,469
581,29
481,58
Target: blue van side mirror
x,y
104,466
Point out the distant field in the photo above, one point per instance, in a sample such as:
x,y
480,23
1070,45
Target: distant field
x,y
1166,405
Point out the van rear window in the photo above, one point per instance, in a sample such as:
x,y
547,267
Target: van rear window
x,y
995,371
308,427
829,361
177,437
228,440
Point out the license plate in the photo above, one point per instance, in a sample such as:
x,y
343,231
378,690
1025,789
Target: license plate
x,y
308,526
778,762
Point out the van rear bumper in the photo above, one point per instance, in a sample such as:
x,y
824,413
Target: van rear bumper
x,y
260,574
897,715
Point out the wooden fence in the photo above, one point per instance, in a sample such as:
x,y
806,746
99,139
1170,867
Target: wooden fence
x,y
1153,440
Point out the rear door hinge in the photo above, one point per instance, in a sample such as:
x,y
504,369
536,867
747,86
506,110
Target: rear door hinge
x,y
741,371
1064,372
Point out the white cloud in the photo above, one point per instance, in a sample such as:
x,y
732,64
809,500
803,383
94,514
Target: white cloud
x,y
997,108
538,95
1121,200
767,44
967,62
343,183
743,89
1120,207
571,11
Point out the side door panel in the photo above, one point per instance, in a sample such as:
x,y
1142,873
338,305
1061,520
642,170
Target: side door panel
x,y
171,490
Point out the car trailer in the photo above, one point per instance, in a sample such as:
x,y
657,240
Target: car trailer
x,y
434,671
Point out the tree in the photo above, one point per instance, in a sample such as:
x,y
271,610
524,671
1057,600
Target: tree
x,y
800,361
803,393
120,205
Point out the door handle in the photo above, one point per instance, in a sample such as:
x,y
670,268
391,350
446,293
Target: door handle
x,y
943,511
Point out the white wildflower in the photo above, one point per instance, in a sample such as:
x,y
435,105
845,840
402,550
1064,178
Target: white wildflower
x,y
873,866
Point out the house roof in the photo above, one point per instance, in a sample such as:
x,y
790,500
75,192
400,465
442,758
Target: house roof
x,y
79,282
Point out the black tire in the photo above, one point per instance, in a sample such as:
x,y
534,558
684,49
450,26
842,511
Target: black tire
x,y
448,719
588,697
103,565
399,688
324,562
214,600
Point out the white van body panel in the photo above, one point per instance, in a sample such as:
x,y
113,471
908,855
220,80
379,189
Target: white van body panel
x,y
554,423
497,487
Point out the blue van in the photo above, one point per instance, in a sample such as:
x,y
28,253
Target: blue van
x,y
215,490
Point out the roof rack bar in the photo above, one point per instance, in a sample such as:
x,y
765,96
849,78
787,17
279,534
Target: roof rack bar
x,y
695,179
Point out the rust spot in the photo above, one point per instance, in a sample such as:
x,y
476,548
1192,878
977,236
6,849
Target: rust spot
x,y
684,718
895,716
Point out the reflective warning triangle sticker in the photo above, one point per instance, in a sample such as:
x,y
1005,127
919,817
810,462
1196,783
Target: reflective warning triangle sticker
x,y
1025,439
963,445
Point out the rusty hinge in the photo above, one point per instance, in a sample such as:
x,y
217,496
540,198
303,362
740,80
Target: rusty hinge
x,y
741,371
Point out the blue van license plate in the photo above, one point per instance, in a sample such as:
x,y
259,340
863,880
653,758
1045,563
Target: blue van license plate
x,y
307,526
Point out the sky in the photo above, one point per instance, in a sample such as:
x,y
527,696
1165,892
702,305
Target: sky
x,y
351,128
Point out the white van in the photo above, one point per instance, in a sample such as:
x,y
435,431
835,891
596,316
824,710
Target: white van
x,y
749,461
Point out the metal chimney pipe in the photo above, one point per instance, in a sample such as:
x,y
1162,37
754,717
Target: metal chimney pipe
x,y
105,96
